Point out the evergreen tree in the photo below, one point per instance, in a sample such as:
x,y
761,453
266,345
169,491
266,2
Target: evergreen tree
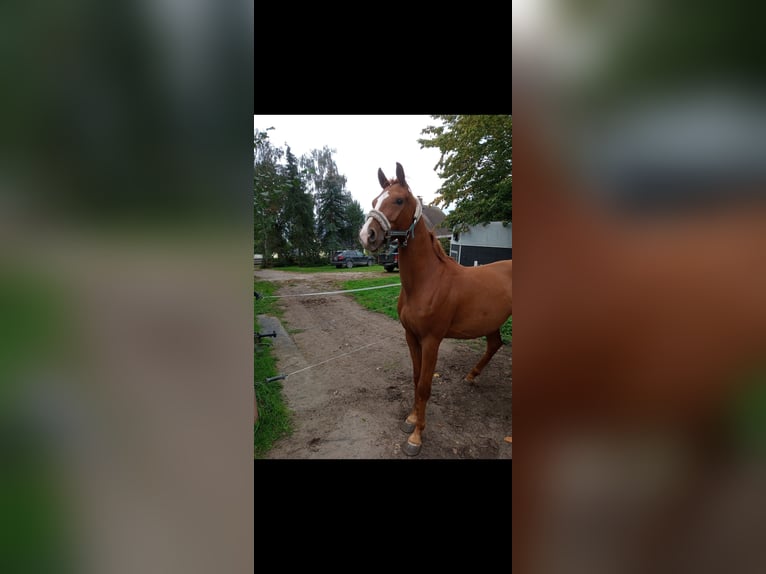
x,y
354,222
331,200
297,217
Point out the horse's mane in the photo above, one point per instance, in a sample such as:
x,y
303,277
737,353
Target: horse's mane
x,y
439,250
435,243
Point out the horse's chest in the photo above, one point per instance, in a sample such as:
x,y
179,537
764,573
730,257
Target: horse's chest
x,y
418,316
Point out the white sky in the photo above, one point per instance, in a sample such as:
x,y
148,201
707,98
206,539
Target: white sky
x,y
362,144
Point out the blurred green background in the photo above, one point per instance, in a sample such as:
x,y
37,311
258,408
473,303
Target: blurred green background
x,y
125,266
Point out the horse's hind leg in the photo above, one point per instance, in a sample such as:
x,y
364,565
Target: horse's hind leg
x,y
494,342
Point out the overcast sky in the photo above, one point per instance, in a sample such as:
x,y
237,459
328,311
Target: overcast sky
x,y
362,144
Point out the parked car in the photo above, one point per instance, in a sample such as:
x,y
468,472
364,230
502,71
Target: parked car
x,y
350,258
390,259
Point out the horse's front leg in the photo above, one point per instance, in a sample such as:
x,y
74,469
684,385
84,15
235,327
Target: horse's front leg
x,y
429,353
416,355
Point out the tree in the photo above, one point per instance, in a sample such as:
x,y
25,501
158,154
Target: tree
x,y
297,216
284,205
354,221
267,186
475,165
335,220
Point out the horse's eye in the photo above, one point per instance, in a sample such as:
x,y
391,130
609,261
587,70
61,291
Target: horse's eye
x,y
399,201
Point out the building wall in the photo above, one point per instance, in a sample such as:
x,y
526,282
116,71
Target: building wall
x,y
493,234
482,244
468,254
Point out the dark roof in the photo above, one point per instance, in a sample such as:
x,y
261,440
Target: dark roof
x,y
434,217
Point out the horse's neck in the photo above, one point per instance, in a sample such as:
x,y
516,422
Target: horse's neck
x,y
417,258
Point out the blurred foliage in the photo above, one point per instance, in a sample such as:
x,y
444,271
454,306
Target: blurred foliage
x,y
125,174
32,535
30,329
126,112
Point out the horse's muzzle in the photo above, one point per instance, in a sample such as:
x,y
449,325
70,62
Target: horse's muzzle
x,y
372,235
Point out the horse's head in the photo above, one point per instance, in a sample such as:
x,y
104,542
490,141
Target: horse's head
x,y
395,212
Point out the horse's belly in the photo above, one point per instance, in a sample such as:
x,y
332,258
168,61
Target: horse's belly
x,y
484,312
473,329
478,320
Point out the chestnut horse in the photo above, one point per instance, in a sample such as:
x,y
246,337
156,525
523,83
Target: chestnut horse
x,y
439,297
669,317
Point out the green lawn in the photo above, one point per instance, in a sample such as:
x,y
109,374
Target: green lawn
x,y
32,326
274,417
506,330
747,415
35,328
379,300
385,300
265,306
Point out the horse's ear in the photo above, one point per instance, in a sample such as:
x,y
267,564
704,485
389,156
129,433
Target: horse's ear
x,y
382,179
400,174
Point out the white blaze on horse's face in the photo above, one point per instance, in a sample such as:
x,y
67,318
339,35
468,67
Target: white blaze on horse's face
x,y
364,234
380,225
390,205
384,219
378,202
372,234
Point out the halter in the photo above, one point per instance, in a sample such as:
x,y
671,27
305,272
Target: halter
x,y
394,233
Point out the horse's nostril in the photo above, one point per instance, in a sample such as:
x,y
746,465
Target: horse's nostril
x,y
371,234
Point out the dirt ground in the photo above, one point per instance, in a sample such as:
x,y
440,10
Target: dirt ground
x,y
350,381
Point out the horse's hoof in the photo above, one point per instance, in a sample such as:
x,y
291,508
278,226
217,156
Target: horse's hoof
x,y
407,426
411,449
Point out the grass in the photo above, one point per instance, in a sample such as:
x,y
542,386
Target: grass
x,y
506,330
274,418
747,415
265,306
35,325
330,269
379,300
32,326
385,300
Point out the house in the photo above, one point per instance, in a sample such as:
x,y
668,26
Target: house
x,y
434,217
482,244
